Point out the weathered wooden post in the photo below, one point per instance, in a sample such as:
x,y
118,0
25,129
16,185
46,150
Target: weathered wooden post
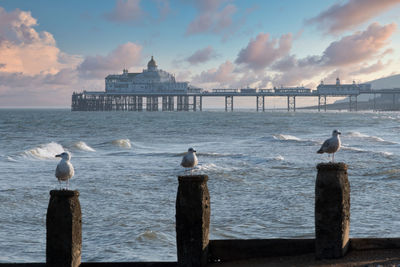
x,y
192,220
64,229
332,211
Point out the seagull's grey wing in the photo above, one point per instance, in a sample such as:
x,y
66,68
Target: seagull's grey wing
x,y
325,146
185,161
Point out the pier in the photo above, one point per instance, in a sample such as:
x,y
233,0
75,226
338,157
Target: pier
x,y
331,245
147,89
193,101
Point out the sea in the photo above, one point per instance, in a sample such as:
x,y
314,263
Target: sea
x,y
261,168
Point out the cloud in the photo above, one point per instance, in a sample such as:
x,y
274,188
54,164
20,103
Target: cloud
x,y
222,75
262,52
125,11
371,68
341,17
98,67
264,61
360,46
346,57
213,17
24,50
201,56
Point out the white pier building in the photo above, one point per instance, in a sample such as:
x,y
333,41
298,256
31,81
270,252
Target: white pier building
x,y
150,80
342,89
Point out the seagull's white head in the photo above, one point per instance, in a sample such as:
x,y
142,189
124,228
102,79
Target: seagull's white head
x,y
65,155
336,132
191,150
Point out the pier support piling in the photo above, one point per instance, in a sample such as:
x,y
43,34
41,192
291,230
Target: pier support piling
x,y
353,103
228,103
332,211
321,102
291,103
64,229
192,220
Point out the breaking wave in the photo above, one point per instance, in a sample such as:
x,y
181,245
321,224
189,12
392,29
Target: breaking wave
x,y
369,137
44,151
286,137
83,146
124,143
360,150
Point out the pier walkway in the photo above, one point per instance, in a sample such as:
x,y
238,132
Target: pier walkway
x,y
193,101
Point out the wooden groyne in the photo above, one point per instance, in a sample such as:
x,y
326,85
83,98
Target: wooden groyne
x,y
193,211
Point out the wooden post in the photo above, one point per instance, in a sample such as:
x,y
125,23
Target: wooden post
x,y
332,211
64,229
192,220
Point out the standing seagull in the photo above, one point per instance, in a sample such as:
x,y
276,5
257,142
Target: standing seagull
x,y
64,170
189,160
331,145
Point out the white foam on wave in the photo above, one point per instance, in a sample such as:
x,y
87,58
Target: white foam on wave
x,y
286,137
125,143
386,154
83,146
359,150
207,167
11,159
355,149
44,151
218,155
279,158
368,137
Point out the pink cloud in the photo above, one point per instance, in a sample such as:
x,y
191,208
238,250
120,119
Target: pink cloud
x,y
341,17
262,52
202,55
360,46
98,67
125,11
371,68
222,75
345,57
213,17
24,50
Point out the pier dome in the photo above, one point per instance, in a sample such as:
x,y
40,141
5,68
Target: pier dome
x,y
152,65
151,80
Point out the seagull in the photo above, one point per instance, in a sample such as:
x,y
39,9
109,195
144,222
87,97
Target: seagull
x,y
189,160
331,145
64,170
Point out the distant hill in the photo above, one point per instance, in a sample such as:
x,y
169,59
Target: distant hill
x,y
386,83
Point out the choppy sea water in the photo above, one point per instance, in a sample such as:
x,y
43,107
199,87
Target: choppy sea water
x,y
261,169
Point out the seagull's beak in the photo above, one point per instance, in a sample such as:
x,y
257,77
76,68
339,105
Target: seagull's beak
x,y
194,151
339,132
58,156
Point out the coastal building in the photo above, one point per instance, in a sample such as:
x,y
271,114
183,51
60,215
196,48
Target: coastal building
x,y
342,89
150,80
139,91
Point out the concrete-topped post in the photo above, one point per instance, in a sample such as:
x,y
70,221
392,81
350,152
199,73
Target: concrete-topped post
x,y
64,229
192,220
332,211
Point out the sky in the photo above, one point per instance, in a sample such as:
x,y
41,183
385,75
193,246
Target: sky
x,y
49,49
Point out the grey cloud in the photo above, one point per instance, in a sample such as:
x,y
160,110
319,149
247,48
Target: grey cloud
x,y
125,11
201,56
340,17
263,52
98,67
